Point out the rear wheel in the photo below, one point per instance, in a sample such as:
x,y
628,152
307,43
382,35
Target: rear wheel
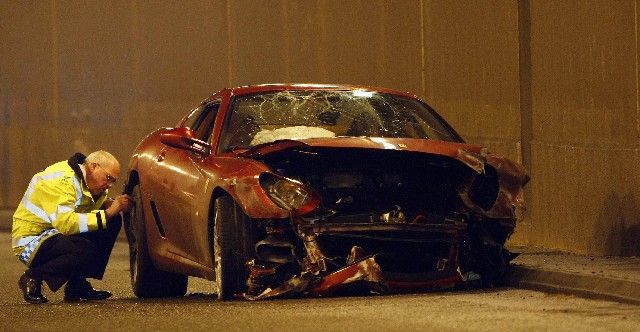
x,y
146,280
233,246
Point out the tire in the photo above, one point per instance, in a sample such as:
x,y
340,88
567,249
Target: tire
x,y
146,280
233,246
488,257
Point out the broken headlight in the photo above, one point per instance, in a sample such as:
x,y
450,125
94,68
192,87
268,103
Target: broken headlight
x,y
289,194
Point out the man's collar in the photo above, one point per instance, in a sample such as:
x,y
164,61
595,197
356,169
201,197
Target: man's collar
x,y
83,169
76,163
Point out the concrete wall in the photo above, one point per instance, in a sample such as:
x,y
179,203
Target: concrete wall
x,y
553,84
585,128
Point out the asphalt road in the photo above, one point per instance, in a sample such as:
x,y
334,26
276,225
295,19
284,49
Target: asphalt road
x,y
486,310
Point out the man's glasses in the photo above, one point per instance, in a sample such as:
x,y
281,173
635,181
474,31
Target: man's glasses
x,y
110,179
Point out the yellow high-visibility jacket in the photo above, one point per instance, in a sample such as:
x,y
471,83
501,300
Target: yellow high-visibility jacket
x,y
56,201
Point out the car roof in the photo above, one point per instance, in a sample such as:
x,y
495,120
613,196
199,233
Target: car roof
x,y
250,89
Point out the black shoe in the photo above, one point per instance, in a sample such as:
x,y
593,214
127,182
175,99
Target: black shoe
x,y
82,290
31,289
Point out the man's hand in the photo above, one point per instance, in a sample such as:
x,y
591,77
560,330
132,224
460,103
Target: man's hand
x,y
119,204
107,203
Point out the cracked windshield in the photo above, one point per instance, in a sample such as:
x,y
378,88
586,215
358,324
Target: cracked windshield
x,y
268,117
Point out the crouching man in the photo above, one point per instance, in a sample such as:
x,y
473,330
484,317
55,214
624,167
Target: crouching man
x,y
66,225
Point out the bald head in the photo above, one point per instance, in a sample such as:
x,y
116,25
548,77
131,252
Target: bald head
x,y
102,158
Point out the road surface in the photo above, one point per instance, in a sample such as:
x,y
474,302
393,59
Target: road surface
x,y
485,310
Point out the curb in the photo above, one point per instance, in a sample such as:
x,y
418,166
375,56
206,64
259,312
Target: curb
x,y
593,287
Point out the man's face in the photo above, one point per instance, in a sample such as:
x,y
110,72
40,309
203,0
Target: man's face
x,y
101,177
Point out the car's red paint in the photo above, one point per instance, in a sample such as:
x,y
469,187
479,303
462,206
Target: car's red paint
x,y
180,175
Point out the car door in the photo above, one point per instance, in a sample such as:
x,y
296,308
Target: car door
x,y
181,182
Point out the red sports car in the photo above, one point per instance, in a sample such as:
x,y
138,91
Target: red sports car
x,y
313,190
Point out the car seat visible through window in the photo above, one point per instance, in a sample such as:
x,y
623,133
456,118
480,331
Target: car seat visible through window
x,y
241,131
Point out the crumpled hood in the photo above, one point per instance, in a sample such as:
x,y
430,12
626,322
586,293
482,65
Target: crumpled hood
x,y
511,177
450,149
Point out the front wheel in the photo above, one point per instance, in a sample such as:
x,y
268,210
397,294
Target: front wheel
x,y
233,246
146,280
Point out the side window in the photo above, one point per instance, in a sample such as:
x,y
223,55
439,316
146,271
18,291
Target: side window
x,y
202,120
194,118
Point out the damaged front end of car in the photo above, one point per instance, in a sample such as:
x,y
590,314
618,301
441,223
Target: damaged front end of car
x,y
383,220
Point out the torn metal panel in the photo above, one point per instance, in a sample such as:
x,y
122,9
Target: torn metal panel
x,y
294,286
365,271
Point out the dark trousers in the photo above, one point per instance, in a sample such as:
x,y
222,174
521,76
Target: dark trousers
x,y
61,258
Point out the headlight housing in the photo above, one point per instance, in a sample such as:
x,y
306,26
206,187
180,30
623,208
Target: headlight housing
x,y
474,160
484,189
289,194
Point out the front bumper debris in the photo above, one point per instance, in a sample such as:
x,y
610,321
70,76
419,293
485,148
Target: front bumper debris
x,y
316,275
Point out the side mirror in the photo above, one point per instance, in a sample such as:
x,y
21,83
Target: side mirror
x,y
182,138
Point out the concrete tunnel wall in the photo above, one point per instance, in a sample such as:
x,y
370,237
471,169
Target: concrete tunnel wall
x,y
553,84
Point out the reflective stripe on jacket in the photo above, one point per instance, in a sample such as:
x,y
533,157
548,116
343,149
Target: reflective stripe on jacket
x,y
56,201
